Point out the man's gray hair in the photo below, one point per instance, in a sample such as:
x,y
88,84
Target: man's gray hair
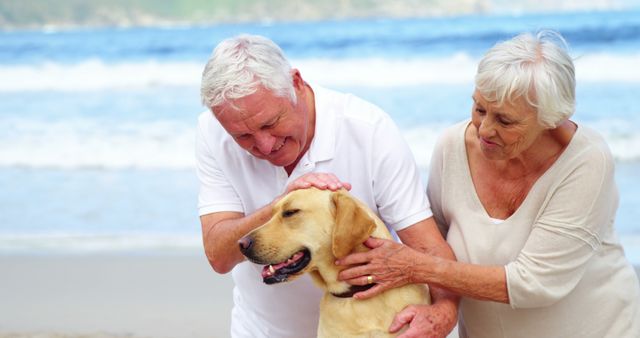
x,y
537,68
239,65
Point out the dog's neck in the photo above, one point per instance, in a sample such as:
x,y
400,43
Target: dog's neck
x,y
353,290
326,276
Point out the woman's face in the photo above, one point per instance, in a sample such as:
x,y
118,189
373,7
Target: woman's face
x,y
504,132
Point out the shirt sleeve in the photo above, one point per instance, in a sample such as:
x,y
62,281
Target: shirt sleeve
x,y
216,193
567,234
397,182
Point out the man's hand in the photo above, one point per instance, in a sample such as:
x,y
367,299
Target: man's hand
x,y
321,181
424,321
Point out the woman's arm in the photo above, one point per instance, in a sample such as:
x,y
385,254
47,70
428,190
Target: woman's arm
x,y
392,264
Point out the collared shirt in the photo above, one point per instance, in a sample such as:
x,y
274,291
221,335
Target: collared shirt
x,y
354,140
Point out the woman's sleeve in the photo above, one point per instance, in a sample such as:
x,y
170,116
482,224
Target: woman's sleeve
x,y
567,233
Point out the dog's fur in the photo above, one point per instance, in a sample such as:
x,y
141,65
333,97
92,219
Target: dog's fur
x,y
325,226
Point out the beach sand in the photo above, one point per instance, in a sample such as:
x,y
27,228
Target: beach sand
x,y
135,295
113,295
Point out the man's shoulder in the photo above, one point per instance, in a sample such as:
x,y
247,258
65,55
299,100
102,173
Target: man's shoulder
x,y
214,136
209,126
205,117
349,106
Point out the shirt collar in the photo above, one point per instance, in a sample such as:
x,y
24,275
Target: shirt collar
x,y
322,146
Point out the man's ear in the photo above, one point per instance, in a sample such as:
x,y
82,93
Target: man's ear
x,y
352,224
296,77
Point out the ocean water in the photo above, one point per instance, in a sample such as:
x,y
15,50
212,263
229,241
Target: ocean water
x,y
97,125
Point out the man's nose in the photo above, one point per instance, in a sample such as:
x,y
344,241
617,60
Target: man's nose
x,y
264,142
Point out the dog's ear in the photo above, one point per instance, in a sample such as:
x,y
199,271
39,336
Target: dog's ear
x,y
353,225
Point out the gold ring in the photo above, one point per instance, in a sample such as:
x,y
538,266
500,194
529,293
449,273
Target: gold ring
x,y
369,279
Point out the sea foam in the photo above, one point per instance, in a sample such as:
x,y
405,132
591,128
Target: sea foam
x,y
86,144
91,75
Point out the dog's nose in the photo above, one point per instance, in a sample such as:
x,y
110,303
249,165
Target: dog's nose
x,y
245,244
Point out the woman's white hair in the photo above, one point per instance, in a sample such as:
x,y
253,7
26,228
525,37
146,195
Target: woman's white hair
x,y
239,65
536,68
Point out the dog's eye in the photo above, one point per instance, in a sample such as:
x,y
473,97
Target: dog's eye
x,y
290,212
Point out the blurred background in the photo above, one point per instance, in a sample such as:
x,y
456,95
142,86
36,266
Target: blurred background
x,y
99,100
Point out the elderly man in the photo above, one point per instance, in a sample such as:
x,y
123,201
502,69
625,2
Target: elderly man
x,y
270,132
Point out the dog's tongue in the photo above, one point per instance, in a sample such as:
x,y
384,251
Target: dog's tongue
x,y
269,270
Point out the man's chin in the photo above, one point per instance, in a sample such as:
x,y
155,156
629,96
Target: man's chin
x,y
281,161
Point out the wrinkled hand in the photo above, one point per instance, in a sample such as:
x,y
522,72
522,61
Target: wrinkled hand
x,y
318,180
423,321
389,263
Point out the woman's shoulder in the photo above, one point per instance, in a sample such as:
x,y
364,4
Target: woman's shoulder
x,y
450,144
588,142
454,133
588,149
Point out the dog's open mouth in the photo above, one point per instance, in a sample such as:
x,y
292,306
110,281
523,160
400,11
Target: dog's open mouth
x,y
277,273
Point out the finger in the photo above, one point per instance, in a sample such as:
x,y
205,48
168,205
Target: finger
x,y
294,187
302,184
317,181
352,259
333,182
403,318
346,185
374,291
355,272
411,333
333,186
373,242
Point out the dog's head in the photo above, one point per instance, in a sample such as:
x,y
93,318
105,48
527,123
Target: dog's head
x,y
308,228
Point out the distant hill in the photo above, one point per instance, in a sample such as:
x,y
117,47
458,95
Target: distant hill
x,y
15,14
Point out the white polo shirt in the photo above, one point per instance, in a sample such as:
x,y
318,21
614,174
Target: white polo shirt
x,y
354,140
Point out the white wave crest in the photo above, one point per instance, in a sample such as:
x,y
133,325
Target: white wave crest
x,y
170,145
604,67
366,72
93,243
623,140
378,72
96,75
89,144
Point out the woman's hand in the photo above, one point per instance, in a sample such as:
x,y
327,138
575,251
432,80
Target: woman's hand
x,y
317,180
389,264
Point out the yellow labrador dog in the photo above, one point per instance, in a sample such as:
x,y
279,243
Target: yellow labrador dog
x,y
308,231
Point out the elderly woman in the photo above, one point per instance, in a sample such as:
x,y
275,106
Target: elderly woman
x,y
527,199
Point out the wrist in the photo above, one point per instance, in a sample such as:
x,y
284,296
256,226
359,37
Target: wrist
x,y
425,269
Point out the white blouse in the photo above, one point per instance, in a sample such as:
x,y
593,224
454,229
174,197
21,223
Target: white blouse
x,y
566,271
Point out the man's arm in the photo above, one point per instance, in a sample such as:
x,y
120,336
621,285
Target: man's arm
x,y
221,232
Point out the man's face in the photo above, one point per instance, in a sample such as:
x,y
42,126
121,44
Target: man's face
x,y
267,126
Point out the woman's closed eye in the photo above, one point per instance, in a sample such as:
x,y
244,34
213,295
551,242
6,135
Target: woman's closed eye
x,y
504,122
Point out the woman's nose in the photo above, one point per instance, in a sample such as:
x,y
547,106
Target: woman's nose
x,y
486,128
